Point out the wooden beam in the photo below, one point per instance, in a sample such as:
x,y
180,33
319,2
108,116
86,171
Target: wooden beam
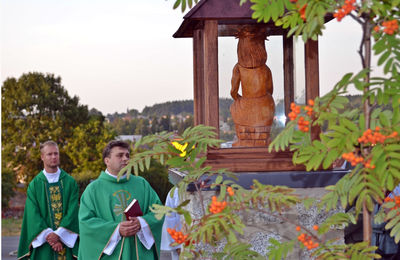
x,y
288,73
312,77
211,94
198,75
312,69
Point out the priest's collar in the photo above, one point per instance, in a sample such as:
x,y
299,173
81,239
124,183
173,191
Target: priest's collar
x,y
52,177
115,177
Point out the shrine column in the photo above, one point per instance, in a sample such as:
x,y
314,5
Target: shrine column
x,y
211,95
288,72
198,75
312,69
312,77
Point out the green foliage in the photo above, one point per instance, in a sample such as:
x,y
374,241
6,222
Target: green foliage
x,y
8,184
36,108
84,149
183,4
359,251
378,170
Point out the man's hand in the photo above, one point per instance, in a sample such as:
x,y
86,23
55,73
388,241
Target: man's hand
x,y
129,228
52,238
54,242
58,246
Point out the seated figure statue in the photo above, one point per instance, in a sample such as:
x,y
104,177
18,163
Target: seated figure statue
x,y
253,111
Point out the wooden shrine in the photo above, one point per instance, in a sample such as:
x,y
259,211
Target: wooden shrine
x,y
211,19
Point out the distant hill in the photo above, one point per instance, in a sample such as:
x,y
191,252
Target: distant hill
x,y
182,107
169,108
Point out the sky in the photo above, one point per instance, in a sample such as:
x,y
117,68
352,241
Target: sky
x,y
118,55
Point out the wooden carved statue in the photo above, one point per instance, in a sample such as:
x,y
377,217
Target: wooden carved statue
x,y
253,112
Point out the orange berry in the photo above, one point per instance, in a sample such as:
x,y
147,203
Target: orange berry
x,y
315,227
298,228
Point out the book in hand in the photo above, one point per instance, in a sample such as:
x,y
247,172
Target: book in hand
x,y
133,209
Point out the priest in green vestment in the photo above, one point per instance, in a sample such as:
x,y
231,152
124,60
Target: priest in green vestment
x,y
50,223
105,233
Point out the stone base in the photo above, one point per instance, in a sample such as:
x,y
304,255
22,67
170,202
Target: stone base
x,y
261,227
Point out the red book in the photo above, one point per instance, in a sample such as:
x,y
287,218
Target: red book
x,y
133,209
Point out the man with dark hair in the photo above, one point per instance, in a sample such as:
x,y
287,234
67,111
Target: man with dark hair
x,y
50,223
104,230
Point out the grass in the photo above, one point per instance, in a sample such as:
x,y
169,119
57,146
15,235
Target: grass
x,y
11,226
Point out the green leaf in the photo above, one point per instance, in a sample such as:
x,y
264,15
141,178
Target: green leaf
x,y
350,125
383,119
379,46
219,179
333,143
188,218
361,122
390,182
147,162
330,158
183,5
175,161
141,165
392,147
177,3
383,58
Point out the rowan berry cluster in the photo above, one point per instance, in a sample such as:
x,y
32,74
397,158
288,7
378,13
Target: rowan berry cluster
x,y
230,191
390,26
345,9
352,158
307,241
374,137
217,206
303,124
295,111
396,200
309,108
178,236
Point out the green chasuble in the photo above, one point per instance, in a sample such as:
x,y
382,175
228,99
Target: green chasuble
x,y
101,210
49,205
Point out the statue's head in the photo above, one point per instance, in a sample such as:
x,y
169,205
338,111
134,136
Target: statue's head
x,y
251,46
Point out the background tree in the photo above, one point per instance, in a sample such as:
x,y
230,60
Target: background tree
x,y
8,184
85,147
35,108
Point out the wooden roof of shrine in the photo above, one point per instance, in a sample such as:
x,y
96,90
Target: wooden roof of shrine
x,y
230,15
